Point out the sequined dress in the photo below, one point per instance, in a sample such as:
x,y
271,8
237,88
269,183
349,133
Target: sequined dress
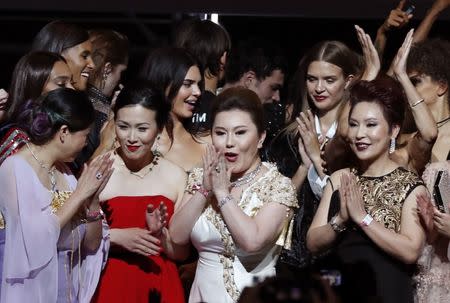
x,y
368,273
223,269
433,277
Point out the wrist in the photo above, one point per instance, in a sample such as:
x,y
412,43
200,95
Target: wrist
x,y
221,203
221,194
202,190
337,224
365,221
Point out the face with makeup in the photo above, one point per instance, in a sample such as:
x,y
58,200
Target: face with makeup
x,y
80,63
369,132
184,103
136,130
60,76
235,134
326,84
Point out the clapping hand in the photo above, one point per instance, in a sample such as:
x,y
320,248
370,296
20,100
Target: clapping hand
x,y
353,197
370,55
442,222
399,63
221,178
426,211
94,177
156,218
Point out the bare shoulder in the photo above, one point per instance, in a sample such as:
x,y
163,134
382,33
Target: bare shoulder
x,y
170,169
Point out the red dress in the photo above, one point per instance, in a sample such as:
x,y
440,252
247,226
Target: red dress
x,y
133,278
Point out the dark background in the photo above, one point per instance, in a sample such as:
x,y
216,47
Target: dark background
x,y
148,24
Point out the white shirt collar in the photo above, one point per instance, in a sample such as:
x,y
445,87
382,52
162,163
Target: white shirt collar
x,y
331,131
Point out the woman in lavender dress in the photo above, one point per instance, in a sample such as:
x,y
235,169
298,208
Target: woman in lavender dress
x,y
54,244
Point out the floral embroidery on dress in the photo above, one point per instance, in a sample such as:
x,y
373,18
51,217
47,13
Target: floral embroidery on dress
x,y
271,187
384,196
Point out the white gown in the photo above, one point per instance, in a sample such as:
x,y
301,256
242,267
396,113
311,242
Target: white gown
x,y
224,270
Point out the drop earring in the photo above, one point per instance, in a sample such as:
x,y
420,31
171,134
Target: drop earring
x,y
392,146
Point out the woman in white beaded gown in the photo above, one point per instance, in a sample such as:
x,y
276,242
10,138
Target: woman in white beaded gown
x,y
237,210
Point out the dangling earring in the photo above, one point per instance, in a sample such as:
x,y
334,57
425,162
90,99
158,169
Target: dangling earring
x,y
104,77
392,146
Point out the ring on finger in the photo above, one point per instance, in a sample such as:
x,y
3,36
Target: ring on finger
x,y
98,175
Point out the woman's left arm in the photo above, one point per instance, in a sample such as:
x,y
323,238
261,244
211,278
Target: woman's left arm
x,y
405,245
253,233
93,236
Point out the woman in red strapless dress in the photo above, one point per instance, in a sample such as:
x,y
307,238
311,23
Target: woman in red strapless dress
x,y
143,189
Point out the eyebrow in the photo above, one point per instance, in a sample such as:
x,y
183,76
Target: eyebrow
x,y
62,78
138,124
234,128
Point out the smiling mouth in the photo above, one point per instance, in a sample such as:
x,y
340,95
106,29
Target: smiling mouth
x,y
361,146
85,74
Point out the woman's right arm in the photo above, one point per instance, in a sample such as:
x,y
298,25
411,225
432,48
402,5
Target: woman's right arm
x,y
321,235
419,147
87,186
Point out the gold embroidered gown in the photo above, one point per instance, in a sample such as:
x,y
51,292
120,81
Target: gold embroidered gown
x,y
368,273
223,270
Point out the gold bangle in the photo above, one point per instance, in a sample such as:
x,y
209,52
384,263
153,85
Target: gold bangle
x,y
417,103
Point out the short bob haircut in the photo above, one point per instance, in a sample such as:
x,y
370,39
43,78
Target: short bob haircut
x,y
62,106
57,36
241,99
141,92
384,91
29,77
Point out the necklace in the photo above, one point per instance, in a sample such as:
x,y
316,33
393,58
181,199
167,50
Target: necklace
x,y
50,171
442,122
148,169
246,178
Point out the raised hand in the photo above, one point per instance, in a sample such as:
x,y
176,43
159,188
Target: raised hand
x,y
354,199
210,160
308,134
156,218
442,223
344,195
397,17
221,178
95,176
137,240
426,211
370,55
399,63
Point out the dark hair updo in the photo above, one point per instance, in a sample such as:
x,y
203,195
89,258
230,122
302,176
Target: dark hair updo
x,y
62,106
384,91
141,92
242,99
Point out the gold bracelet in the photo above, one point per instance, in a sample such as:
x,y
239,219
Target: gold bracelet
x,y
417,103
